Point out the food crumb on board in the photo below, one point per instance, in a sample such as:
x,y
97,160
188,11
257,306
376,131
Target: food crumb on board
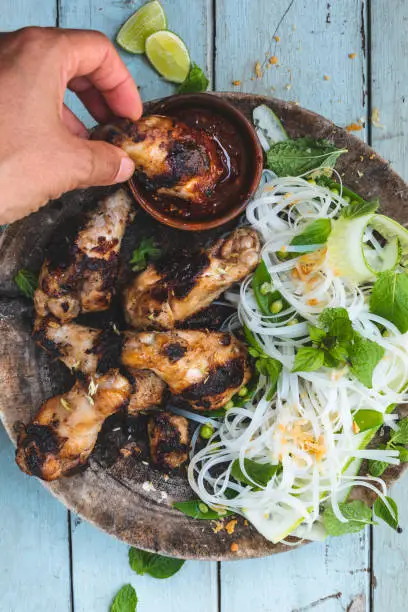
x,y
148,486
273,60
352,55
246,523
375,118
234,547
372,156
236,83
359,173
326,77
277,38
219,526
288,86
361,157
354,127
165,477
258,70
230,526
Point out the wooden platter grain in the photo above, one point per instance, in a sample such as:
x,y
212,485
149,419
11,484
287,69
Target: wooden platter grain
x,y
115,498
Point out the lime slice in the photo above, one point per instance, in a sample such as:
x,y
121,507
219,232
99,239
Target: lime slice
x,y
168,55
148,19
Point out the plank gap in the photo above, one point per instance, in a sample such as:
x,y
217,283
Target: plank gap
x,y
71,564
57,12
212,43
219,586
371,569
369,88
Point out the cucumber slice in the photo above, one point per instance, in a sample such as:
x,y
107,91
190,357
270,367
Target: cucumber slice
x,y
272,529
268,127
390,229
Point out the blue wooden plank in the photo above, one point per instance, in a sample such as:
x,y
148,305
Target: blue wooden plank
x,y
34,557
16,14
390,96
101,567
314,41
193,25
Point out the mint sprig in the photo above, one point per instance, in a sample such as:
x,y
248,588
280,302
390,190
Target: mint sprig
x,y
195,82
295,157
389,298
27,282
357,513
125,600
157,566
145,252
398,441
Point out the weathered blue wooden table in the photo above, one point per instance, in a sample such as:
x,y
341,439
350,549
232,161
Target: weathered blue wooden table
x,y
342,59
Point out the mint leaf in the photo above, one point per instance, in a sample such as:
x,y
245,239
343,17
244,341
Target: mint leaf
x,y
368,419
157,566
403,453
295,157
336,322
198,510
316,334
125,600
195,82
316,232
260,473
27,282
359,209
364,355
145,252
401,435
381,510
377,468
308,359
389,298
358,514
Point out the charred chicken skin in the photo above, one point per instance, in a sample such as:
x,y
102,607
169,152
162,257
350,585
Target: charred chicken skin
x,y
171,158
171,290
82,279
201,369
63,433
169,440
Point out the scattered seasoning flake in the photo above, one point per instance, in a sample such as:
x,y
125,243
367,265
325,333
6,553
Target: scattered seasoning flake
x,y
219,526
236,83
352,55
234,547
246,523
354,127
372,156
360,174
277,38
288,86
375,119
326,77
361,157
165,477
65,404
258,70
273,60
356,428
230,526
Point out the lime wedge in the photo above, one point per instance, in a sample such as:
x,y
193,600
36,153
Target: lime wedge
x,y
148,19
168,55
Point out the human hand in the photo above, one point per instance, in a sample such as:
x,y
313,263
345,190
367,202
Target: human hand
x,y
44,148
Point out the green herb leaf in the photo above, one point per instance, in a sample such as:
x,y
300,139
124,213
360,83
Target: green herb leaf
x,y
316,232
381,510
125,600
389,298
337,324
157,566
377,468
264,299
316,334
368,419
195,82
195,509
359,209
308,359
357,513
295,157
364,355
260,473
145,252
401,435
330,361
403,453
27,282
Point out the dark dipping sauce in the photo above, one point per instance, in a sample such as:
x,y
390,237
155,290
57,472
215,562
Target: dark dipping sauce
x,y
230,189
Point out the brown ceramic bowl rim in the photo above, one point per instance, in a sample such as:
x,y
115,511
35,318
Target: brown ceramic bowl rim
x,y
248,132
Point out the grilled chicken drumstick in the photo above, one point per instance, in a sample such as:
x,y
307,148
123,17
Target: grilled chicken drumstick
x,y
85,278
170,157
171,290
63,433
202,369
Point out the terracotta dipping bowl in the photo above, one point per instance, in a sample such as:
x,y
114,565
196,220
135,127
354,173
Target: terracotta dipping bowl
x,y
250,147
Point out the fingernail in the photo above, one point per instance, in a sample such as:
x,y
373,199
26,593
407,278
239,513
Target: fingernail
x,y
126,169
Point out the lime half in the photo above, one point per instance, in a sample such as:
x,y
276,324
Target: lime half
x,y
148,19
168,55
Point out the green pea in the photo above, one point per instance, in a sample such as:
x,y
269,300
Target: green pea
x,y
354,203
276,306
206,431
335,190
293,322
347,198
203,508
311,181
243,391
266,288
282,254
229,405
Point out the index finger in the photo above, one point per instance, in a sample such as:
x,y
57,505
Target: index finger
x,y
91,54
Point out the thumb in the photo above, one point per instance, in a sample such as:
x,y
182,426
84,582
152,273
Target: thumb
x,y
104,164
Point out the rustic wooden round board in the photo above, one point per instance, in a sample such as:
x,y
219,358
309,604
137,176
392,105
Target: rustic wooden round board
x,y
114,498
